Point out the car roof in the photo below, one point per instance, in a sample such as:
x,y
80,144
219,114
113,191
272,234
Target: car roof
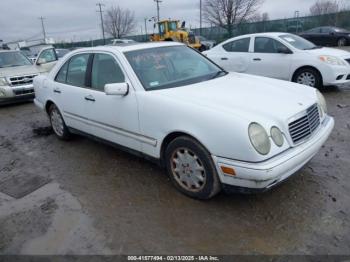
x,y
274,34
130,46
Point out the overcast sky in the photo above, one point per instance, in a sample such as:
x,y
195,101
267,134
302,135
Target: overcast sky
x,y
78,19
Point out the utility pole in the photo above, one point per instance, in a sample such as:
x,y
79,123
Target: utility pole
x,y
158,2
102,26
296,15
200,17
146,28
43,28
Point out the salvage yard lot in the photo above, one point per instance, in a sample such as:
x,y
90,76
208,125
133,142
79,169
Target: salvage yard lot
x,y
93,199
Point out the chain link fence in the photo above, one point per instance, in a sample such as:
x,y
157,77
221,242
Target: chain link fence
x,y
291,25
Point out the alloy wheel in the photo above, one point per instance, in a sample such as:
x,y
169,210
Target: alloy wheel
x,y
188,170
57,122
307,78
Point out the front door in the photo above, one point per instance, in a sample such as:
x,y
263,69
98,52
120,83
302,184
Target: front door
x,y
267,59
113,118
46,60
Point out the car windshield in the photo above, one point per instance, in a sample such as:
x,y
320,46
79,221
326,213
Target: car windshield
x,y
298,42
12,59
169,67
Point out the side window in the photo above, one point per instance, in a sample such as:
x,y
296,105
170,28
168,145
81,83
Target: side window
x,y
325,30
267,45
48,56
241,45
62,74
77,68
105,70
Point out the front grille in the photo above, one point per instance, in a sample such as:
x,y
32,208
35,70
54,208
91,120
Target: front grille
x,y
348,78
306,125
20,92
21,80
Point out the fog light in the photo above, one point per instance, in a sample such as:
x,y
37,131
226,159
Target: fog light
x,y
228,171
340,77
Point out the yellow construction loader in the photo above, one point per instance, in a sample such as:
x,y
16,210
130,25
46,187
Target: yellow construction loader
x,y
170,30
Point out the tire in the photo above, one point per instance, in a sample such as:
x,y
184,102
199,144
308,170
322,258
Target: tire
x,y
57,123
341,42
308,76
191,169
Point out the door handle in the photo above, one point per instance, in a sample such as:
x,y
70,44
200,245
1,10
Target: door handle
x,y
224,58
257,59
90,98
57,90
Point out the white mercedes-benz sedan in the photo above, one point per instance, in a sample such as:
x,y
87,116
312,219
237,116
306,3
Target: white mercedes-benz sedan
x,y
283,56
210,129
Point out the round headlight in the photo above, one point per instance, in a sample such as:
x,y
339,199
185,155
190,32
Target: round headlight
x,y
322,102
259,138
277,136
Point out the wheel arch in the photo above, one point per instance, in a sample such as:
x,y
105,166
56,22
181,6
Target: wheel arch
x,y
306,67
48,104
171,137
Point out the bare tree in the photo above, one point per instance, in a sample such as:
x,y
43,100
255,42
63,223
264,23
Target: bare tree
x,y
229,14
323,7
119,22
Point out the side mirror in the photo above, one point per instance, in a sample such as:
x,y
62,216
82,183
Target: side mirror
x,y
41,61
117,89
285,50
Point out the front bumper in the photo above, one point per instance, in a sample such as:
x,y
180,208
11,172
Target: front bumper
x,y
12,94
336,75
264,175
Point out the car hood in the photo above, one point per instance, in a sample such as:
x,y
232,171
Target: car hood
x,y
247,96
330,51
18,71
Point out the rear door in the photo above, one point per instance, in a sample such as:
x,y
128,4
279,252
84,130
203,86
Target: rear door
x,y
267,59
70,90
232,56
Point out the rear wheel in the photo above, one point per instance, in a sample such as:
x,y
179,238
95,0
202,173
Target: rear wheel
x,y
191,168
342,42
309,77
57,123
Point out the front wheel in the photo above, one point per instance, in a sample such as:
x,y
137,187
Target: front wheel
x,y
57,123
309,77
191,168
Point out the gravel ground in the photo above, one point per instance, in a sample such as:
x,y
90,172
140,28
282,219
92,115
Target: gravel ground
x,y
100,200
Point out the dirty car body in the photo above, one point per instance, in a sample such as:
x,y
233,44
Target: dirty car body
x,y
209,128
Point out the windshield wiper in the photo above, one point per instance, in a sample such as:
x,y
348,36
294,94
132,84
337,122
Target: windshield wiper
x,y
219,74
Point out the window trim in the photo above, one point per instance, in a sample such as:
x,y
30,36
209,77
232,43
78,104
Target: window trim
x,y
118,62
271,39
232,41
87,72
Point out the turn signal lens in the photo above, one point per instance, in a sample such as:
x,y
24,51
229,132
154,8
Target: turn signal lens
x,y
228,171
